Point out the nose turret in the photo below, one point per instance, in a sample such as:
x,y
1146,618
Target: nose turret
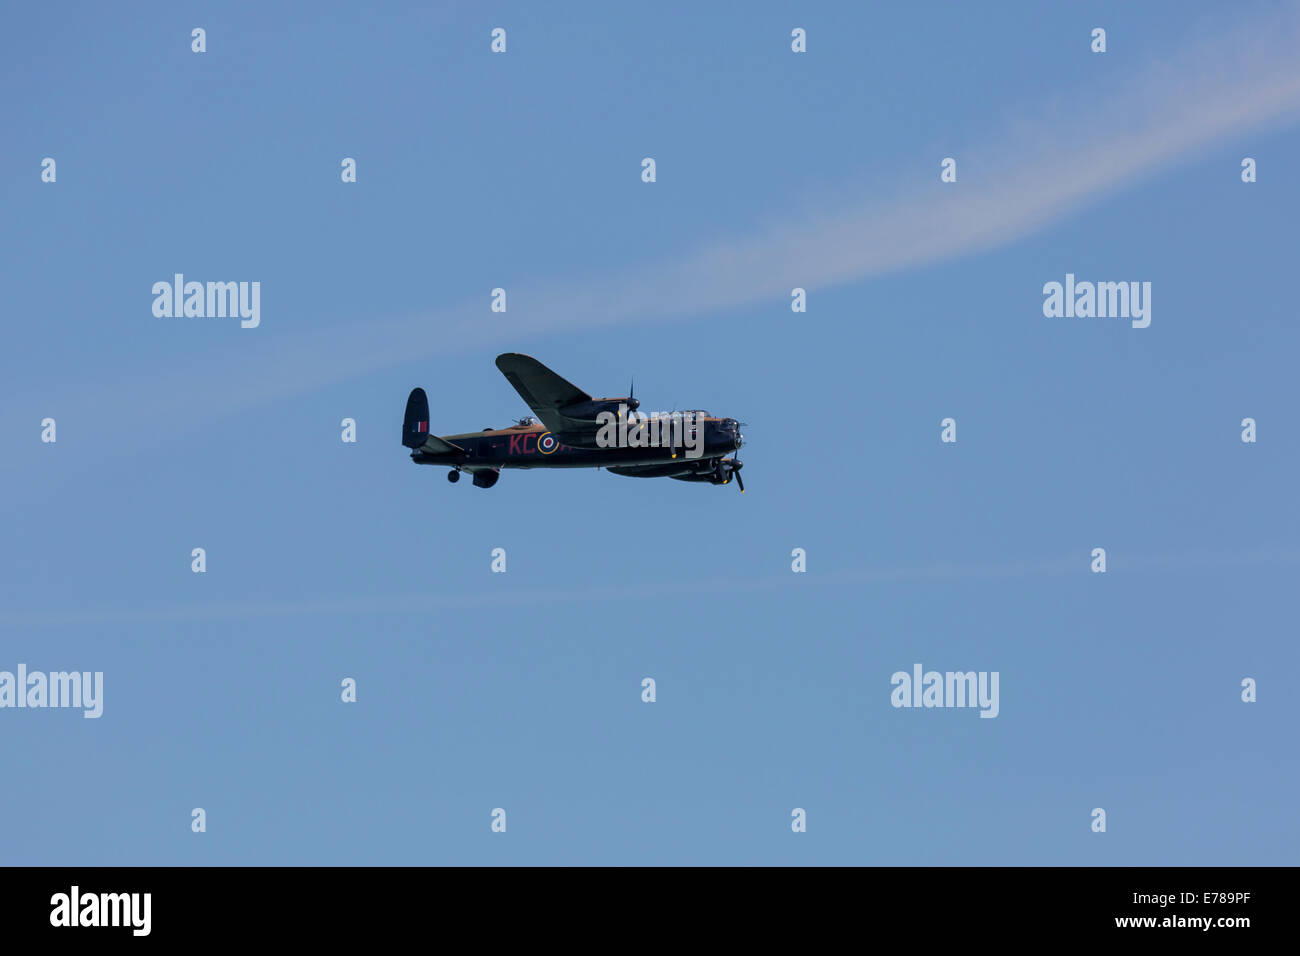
x,y
732,428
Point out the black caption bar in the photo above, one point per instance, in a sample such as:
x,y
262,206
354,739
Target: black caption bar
x,y
333,905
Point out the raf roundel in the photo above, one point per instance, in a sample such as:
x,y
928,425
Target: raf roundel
x,y
546,443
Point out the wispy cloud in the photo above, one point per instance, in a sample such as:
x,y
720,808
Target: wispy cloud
x,y
423,603
1034,168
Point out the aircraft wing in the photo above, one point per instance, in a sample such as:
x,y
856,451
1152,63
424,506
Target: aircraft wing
x,y
541,389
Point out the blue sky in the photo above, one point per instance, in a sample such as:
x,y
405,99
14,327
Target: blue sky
x,y
523,690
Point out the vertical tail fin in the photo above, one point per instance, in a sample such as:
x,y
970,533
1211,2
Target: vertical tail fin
x,y
415,427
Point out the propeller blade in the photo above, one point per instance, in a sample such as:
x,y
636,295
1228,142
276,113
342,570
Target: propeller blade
x,y
739,482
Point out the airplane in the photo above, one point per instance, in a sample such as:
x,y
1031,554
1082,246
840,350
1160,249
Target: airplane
x,y
575,431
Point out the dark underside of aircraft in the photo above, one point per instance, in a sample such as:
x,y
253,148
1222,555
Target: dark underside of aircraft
x,y
574,430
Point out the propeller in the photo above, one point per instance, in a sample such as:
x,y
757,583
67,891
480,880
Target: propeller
x,y
729,468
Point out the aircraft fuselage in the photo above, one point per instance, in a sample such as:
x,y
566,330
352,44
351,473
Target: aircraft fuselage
x,y
533,446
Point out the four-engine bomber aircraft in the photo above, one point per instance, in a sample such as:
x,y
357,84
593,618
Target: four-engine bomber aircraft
x,y
578,431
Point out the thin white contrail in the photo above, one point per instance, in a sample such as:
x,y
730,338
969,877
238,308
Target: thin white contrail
x,y
1030,172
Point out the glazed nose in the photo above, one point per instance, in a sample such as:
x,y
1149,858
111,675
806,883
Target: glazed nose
x,y
736,436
